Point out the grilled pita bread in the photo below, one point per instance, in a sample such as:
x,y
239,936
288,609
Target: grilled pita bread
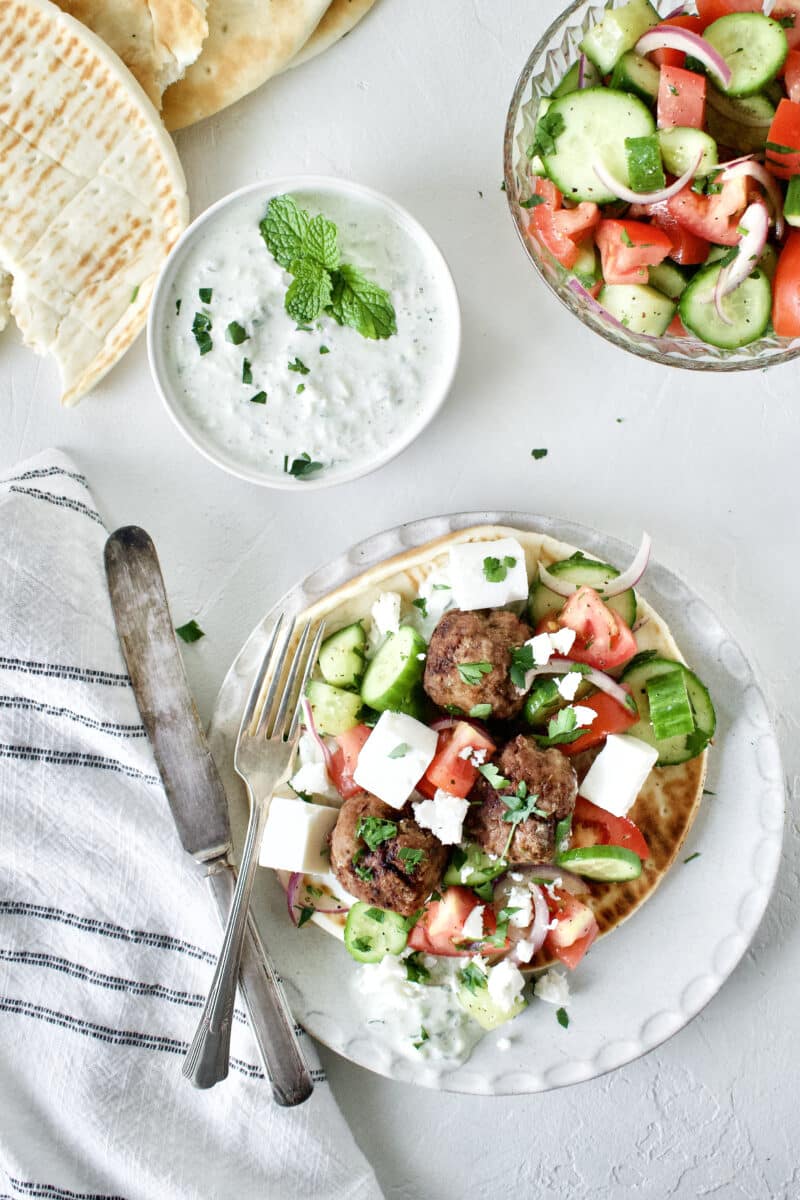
x,y
248,42
670,798
156,39
93,193
341,17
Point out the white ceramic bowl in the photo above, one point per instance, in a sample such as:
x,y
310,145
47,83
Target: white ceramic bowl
x,y
439,368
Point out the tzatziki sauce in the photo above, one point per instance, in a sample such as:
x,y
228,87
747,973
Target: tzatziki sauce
x,y
277,392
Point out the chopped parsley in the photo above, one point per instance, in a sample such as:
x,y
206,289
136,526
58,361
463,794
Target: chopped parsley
x,y
324,350
400,751
490,772
521,663
625,238
374,831
178,307
532,202
472,673
519,806
562,1016
302,467
562,729
416,971
495,570
299,366
410,858
305,915
377,915
201,328
259,398
706,792
301,387
423,1037
190,632
363,873
205,295
537,454
134,294
692,857
548,128
481,711
247,371
708,185
236,333
472,977
422,604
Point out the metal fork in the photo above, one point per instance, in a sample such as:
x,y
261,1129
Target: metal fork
x,y
265,747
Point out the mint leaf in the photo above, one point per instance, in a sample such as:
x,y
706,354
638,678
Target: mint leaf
x,y
320,243
361,304
309,292
284,229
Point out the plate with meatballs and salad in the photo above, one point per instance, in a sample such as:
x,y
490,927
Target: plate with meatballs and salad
x,y
506,742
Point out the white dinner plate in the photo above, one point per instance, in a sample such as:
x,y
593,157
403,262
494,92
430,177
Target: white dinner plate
x,y
641,983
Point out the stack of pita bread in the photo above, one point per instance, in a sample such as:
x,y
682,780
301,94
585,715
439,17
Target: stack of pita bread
x,y
92,194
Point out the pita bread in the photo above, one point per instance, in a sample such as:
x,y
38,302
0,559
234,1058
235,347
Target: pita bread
x,y
156,39
671,796
93,193
341,17
248,42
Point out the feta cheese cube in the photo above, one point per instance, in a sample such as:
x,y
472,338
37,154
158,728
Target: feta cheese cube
x,y
562,641
616,776
295,836
521,899
505,984
552,987
389,775
569,684
472,929
524,951
443,815
469,567
583,715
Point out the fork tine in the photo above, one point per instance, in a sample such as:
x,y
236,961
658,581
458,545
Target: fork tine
x,y
279,718
301,691
258,682
272,690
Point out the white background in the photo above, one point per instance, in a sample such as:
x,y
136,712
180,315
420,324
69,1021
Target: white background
x,y
414,103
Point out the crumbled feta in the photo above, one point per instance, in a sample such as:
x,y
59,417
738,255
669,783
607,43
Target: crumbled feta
x,y
503,1043
562,641
308,750
553,987
517,876
505,984
466,872
437,593
472,929
312,780
541,649
524,950
521,899
421,657
583,715
569,684
616,776
385,614
470,754
390,776
443,815
469,570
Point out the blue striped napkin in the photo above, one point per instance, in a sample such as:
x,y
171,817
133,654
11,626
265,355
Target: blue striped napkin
x,y
107,936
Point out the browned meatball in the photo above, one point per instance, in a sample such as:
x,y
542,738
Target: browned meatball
x,y
549,776
461,638
387,880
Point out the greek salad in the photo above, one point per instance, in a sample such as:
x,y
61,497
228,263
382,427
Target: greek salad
x,y
470,758
664,170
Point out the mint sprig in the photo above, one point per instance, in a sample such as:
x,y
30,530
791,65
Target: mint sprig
x,y
307,247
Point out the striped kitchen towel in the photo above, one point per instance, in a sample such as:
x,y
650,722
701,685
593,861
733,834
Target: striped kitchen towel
x,y
107,936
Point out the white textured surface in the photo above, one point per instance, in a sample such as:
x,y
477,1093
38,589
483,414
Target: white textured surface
x,y
413,103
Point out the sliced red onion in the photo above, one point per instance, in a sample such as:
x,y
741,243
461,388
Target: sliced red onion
x,y
680,11
581,72
598,679
293,887
441,724
541,918
551,873
620,583
327,754
672,37
628,194
757,171
755,222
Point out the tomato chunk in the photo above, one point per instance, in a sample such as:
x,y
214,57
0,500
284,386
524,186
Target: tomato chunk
x,y
687,248
714,218
440,930
576,927
791,76
788,13
616,831
681,98
449,770
786,289
559,229
345,759
628,248
611,718
711,10
603,640
676,58
783,140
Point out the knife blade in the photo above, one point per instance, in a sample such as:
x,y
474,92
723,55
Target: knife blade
x,y
193,787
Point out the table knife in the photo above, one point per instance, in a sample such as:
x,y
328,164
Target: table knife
x,y
193,787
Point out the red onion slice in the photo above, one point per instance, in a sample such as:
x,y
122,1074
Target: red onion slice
x,y
598,679
541,918
295,881
582,72
676,12
672,37
327,755
625,193
550,872
620,583
755,223
757,171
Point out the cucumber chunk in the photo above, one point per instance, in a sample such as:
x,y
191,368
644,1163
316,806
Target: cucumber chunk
x,y
582,571
791,205
618,31
393,678
334,710
753,46
341,656
587,264
371,933
571,81
588,127
647,666
474,997
544,699
607,864
668,278
748,309
680,147
470,867
637,75
742,124
638,307
670,710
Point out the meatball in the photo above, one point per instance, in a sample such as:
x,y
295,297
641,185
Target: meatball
x,y
485,636
387,879
549,776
